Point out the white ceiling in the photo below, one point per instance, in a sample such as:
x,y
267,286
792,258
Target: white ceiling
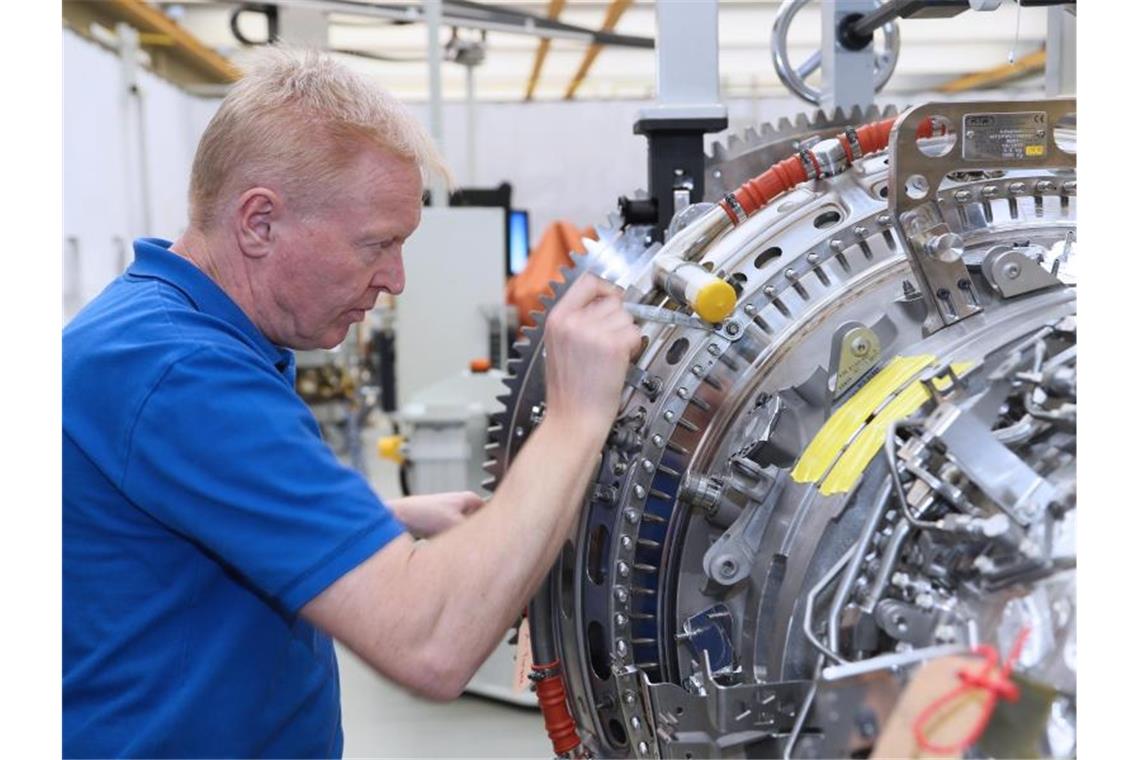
x,y
933,51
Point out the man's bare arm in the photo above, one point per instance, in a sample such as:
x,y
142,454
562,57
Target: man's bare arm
x,y
427,614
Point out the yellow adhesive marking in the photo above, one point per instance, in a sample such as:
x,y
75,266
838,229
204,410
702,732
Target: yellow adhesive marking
x,y
847,471
1035,150
849,418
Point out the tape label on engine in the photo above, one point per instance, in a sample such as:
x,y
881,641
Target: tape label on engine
x,y
1005,136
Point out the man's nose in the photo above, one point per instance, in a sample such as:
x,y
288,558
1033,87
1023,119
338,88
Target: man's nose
x,y
390,276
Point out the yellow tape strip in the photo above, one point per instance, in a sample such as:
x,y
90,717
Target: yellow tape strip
x,y
847,471
852,416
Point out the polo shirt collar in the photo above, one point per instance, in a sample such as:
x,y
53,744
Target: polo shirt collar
x,y
153,258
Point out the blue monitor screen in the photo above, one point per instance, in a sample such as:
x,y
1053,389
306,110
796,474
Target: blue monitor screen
x,y
518,241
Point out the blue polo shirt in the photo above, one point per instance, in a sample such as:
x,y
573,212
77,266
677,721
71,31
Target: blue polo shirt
x,y
201,511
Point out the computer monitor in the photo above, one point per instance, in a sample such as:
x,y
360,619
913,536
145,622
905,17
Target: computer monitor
x,y
518,240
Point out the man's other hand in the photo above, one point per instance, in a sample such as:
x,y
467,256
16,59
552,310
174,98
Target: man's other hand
x,y
427,515
590,340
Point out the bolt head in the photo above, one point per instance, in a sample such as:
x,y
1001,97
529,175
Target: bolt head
x,y
627,697
669,415
1011,271
658,441
647,465
963,196
623,569
620,619
989,191
883,219
813,258
621,594
683,392
622,648
639,492
860,346
731,327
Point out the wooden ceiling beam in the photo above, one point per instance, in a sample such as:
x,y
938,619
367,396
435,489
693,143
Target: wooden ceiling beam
x,y
553,13
613,15
177,54
1028,65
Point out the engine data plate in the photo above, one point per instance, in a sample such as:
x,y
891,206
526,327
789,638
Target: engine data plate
x,y
1005,136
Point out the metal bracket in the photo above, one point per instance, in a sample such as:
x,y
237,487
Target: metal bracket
x,y
981,135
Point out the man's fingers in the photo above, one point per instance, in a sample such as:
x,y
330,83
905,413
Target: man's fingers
x,y
587,288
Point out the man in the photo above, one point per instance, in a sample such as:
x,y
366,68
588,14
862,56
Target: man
x,y
212,544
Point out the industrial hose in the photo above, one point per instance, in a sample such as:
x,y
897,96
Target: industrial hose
x,y
546,672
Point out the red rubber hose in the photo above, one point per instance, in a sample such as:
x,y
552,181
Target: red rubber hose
x,y
552,699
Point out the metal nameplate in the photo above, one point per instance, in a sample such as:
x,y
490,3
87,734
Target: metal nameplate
x,y
1005,136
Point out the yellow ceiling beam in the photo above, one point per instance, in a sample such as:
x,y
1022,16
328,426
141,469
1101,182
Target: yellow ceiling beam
x,y
555,11
998,75
613,15
176,53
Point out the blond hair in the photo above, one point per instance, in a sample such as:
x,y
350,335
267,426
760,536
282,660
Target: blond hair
x,y
297,118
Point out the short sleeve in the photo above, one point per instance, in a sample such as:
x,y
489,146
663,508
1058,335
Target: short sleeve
x,y
225,453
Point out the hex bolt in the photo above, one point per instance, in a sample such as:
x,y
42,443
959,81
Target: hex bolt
x,y
698,369
622,648
963,284
883,219
1070,187
635,724
626,542
642,747
769,291
732,327
621,594
963,196
647,465
631,516
813,258
714,349
620,619
683,392
836,245
639,491
1017,187
627,697
861,231
1046,186
619,468
658,441
790,274
749,309
669,416
623,569
990,191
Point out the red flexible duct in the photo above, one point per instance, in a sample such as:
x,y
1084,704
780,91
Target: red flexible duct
x,y
552,699
759,191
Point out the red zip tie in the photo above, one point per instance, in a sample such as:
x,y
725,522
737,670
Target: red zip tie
x,y
996,687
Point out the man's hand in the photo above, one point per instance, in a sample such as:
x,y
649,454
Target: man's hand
x,y
590,339
427,515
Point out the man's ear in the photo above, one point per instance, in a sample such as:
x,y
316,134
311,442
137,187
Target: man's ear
x,y
258,214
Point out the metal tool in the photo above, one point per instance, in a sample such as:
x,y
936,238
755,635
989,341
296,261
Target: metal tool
x,y
661,315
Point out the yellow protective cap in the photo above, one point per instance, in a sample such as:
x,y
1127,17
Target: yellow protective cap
x,y
715,301
391,447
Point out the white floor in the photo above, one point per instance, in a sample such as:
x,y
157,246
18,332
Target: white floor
x,y
382,720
